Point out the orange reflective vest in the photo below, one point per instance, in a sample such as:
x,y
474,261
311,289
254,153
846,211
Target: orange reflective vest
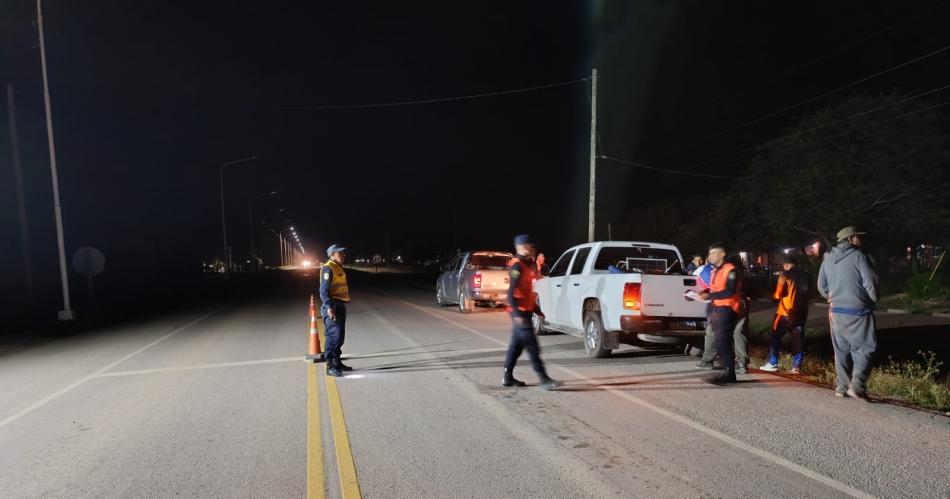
x,y
523,294
719,279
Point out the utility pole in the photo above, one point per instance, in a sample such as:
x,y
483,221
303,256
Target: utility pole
x,y
66,314
20,199
224,223
593,155
250,221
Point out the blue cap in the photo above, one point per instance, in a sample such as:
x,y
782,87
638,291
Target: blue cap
x,y
334,249
523,239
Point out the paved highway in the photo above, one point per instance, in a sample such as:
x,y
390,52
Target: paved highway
x,y
217,402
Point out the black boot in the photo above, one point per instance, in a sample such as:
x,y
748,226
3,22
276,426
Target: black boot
x,y
333,368
728,376
548,383
509,380
342,366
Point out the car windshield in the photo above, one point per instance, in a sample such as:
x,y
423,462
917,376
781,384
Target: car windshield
x,y
489,261
638,259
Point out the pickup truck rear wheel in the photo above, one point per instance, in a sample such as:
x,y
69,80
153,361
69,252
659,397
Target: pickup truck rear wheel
x,y
537,324
464,305
594,335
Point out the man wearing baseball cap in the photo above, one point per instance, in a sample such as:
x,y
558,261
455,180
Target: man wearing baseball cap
x,y
334,295
522,304
848,282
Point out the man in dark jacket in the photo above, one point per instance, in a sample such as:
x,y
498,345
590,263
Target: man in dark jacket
x,y
848,282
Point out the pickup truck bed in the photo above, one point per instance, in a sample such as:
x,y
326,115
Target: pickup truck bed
x,y
589,294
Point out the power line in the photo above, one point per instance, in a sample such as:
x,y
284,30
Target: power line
x,y
830,92
835,122
839,50
664,170
438,99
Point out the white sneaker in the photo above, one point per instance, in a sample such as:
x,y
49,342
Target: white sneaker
x,y
769,367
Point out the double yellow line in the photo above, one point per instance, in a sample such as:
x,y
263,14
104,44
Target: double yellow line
x,y
316,485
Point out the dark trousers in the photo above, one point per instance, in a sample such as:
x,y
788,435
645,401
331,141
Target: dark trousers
x,y
335,332
523,338
723,322
796,330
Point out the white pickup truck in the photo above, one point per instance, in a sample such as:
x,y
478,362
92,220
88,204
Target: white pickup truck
x,y
608,292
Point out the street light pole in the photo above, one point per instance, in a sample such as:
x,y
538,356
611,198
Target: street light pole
x,y
66,314
224,223
286,247
250,220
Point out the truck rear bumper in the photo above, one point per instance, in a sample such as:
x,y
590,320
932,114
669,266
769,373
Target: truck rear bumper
x,y
685,327
490,295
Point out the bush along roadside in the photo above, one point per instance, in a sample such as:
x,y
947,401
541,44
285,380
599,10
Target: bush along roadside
x,y
917,381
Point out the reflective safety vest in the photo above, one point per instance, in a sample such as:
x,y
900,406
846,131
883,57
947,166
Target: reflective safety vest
x,y
524,294
719,279
339,289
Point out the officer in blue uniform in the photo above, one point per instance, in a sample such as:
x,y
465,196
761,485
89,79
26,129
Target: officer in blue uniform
x,y
334,295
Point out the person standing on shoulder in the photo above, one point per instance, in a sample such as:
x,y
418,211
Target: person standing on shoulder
x,y
522,303
791,292
725,309
848,282
334,295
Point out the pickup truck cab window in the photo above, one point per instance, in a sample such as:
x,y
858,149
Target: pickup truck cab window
x,y
560,268
489,261
580,261
638,259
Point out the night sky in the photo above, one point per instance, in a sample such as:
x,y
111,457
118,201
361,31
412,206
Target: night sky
x,y
150,98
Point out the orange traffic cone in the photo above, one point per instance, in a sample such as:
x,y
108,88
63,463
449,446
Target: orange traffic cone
x,y
316,353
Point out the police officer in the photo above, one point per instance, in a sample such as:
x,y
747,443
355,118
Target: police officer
x,y
335,294
522,303
725,309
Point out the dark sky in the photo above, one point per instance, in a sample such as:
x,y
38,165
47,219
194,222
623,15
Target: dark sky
x,y
149,98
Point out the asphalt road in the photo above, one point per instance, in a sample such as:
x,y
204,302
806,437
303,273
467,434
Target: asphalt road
x,y
216,403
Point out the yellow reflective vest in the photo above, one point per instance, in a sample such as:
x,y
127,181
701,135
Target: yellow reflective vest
x,y
333,282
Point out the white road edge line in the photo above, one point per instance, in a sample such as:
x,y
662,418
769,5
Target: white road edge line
x,y
197,367
45,400
781,461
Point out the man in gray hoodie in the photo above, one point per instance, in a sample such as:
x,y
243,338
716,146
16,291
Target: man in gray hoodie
x,y
848,282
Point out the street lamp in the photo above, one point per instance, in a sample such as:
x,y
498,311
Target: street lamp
x,y
224,223
66,314
250,220
285,247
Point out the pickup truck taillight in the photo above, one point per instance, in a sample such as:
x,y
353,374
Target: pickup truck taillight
x,y
631,296
476,280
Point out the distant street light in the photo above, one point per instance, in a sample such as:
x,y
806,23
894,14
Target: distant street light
x,y
66,314
285,248
250,220
224,223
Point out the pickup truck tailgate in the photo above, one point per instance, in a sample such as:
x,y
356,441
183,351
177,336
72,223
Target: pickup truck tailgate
x,y
662,296
493,280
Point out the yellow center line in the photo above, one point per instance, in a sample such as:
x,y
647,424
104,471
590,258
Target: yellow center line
x,y
349,486
315,485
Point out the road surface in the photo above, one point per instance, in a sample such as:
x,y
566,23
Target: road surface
x,y
216,402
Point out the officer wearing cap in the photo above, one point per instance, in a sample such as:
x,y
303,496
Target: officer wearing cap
x,y
522,303
848,282
334,295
